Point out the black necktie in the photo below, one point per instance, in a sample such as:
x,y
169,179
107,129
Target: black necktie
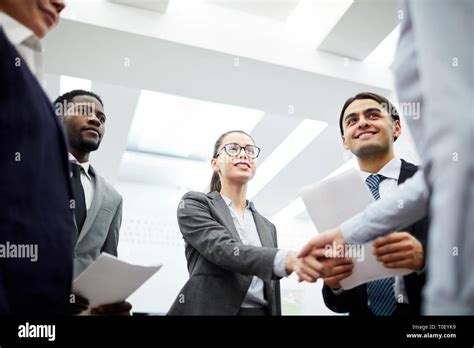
x,y
80,210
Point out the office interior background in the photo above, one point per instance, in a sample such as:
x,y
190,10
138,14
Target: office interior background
x,y
175,74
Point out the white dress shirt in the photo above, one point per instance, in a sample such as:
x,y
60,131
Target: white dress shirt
x,y
87,180
25,43
248,233
391,172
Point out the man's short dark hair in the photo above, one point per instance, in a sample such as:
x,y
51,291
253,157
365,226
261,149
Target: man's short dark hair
x,y
67,98
386,104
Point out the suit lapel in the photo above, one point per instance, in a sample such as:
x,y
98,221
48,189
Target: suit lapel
x,y
263,230
223,209
407,170
95,205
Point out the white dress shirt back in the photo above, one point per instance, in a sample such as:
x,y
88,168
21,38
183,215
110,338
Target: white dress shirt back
x,y
26,44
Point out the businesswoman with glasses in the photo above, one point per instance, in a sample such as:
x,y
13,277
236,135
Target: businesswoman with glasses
x,y
233,261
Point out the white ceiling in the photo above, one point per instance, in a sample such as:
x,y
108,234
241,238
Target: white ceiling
x,y
278,10
173,80
152,5
169,125
362,27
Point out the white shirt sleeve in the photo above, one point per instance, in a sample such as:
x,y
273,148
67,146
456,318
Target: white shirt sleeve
x,y
279,263
394,211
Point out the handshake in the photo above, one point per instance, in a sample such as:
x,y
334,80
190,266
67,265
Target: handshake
x,y
317,258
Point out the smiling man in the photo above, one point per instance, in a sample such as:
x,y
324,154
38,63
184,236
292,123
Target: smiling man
x,y
369,126
98,206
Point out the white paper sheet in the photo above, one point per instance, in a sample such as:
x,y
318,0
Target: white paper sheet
x,y
110,280
331,202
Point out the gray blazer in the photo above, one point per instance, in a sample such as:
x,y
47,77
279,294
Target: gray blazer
x,y
221,267
101,228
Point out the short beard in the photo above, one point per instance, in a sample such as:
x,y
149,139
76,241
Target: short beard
x,y
371,151
87,146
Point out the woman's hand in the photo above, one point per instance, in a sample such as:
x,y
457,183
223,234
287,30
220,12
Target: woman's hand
x,y
306,267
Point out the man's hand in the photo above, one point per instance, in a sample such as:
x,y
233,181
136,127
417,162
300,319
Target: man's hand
x,y
114,309
78,304
330,269
321,240
340,268
400,250
316,265
306,271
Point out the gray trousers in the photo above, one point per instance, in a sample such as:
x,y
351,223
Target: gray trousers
x,y
434,69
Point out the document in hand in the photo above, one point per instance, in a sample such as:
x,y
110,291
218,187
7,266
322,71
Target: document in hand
x,y
331,202
110,280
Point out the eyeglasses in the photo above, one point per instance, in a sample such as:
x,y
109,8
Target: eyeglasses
x,y
234,149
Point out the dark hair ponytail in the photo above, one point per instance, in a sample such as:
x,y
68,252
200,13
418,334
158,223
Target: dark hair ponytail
x,y
215,183
216,180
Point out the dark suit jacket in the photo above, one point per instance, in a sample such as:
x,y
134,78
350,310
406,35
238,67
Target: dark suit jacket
x,y
220,266
35,193
354,301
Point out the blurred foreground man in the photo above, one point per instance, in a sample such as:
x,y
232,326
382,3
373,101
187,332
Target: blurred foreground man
x,y
36,221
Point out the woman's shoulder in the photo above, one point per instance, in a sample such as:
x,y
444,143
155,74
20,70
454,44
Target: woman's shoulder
x,y
194,200
194,194
197,195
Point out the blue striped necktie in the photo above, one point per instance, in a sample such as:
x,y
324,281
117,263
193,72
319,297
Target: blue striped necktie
x,y
380,292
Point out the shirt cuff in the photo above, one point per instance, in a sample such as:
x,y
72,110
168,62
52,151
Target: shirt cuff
x,y
279,264
337,291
